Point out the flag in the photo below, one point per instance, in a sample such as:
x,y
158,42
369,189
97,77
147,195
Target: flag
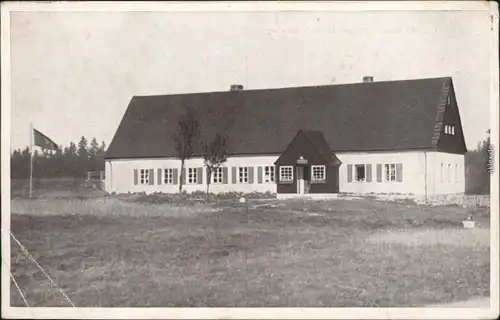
x,y
43,141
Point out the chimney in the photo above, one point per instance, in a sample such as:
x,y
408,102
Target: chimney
x,y
368,79
236,87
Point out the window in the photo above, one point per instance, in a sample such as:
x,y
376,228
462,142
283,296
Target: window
x,y
442,169
456,173
286,173
390,172
192,175
318,172
448,102
168,176
360,172
449,129
144,176
217,175
243,174
449,173
269,174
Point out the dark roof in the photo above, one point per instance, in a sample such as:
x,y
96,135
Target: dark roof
x,y
390,115
318,140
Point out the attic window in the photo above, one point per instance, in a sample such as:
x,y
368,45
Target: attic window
x,y
449,129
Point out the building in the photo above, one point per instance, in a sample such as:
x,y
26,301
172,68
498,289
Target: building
x,y
369,137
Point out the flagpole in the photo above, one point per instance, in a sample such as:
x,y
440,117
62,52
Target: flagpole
x,y
31,158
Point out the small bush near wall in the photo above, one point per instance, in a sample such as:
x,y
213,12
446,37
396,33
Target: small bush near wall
x,y
194,197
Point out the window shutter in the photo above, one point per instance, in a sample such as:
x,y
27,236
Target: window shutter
x,y
175,173
136,177
399,172
259,174
183,176
250,174
379,172
151,176
349,173
368,173
159,176
233,174
199,175
224,175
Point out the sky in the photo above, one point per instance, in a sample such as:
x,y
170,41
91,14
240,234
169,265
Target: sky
x,y
74,73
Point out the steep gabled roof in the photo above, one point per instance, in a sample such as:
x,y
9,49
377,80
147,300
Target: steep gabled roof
x,y
317,139
311,146
390,115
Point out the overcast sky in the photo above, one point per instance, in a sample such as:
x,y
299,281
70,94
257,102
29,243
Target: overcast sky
x,y
73,73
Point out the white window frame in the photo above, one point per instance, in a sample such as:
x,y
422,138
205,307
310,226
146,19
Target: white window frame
x,y
217,176
168,176
192,176
449,173
449,129
390,170
144,177
356,172
286,173
243,175
322,172
269,174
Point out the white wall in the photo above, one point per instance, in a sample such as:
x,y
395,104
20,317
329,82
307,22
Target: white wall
x,y
120,175
413,173
449,184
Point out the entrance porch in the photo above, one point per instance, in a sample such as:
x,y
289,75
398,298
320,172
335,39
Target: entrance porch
x,y
307,168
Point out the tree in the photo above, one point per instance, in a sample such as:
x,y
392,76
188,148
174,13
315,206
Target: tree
x,y
70,161
477,168
186,139
102,148
94,147
82,164
215,155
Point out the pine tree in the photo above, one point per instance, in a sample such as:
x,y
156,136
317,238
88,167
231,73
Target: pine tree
x,y
94,147
83,162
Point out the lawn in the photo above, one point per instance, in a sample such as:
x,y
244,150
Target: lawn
x,y
130,251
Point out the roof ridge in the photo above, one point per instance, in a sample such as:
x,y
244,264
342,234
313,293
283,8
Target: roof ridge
x,y
292,87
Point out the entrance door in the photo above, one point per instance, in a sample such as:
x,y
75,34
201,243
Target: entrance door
x,y
300,180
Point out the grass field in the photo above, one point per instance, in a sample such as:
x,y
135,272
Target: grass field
x,y
130,251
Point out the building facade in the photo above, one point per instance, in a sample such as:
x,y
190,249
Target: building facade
x,y
401,137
